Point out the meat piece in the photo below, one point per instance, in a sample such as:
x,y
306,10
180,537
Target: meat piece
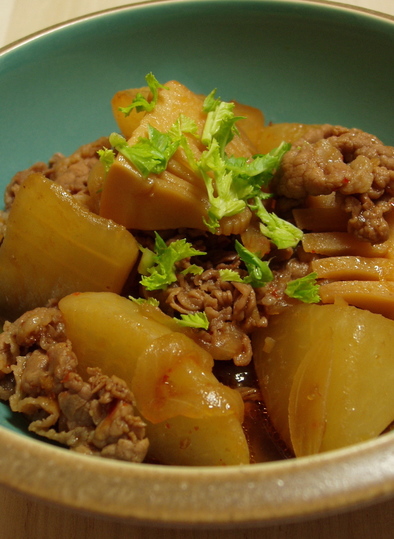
x,y
71,172
40,380
14,185
355,165
230,307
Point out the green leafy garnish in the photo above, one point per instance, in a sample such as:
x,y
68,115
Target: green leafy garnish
x,y
230,275
222,195
193,269
143,301
107,157
259,272
304,289
230,181
162,272
220,122
196,320
282,233
140,103
149,155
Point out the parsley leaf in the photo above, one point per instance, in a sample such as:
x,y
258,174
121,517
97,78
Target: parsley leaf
x,y
305,289
196,320
259,271
140,103
282,233
162,272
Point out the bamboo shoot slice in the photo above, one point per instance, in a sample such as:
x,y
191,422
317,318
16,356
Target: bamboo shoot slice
x,y
341,243
344,268
377,297
321,219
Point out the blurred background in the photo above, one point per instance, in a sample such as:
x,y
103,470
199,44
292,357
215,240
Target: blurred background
x,y
20,18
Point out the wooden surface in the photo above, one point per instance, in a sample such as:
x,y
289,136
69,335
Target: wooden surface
x,y
23,518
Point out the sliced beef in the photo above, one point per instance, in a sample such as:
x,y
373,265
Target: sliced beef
x,y
234,309
355,165
40,378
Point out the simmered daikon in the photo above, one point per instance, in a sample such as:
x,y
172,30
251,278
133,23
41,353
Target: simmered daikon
x,y
171,376
326,373
53,246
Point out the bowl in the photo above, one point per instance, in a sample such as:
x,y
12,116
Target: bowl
x,y
299,61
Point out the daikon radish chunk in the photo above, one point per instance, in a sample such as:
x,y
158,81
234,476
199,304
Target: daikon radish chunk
x,y
185,441
347,268
170,374
377,297
276,367
254,240
308,396
328,375
109,331
341,243
169,380
53,246
321,219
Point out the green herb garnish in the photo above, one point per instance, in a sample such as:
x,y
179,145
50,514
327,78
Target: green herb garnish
x,y
196,320
162,272
304,289
140,103
259,272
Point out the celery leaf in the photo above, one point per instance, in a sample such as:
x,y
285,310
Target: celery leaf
x,y
282,233
163,271
140,103
196,320
304,289
259,272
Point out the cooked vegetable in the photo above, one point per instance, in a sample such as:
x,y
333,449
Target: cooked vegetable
x,y
326,373
177,196
69,249
241,228
341,243
204,139
279,231
345,268
377,297
161,272
275,134
170,374
304,288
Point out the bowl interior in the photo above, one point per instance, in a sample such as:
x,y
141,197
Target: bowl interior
x,y
308,62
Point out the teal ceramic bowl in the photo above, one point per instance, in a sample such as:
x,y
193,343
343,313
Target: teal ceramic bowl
x,y
299,61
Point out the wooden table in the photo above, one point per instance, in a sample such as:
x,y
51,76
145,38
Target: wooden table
x,y
23,518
